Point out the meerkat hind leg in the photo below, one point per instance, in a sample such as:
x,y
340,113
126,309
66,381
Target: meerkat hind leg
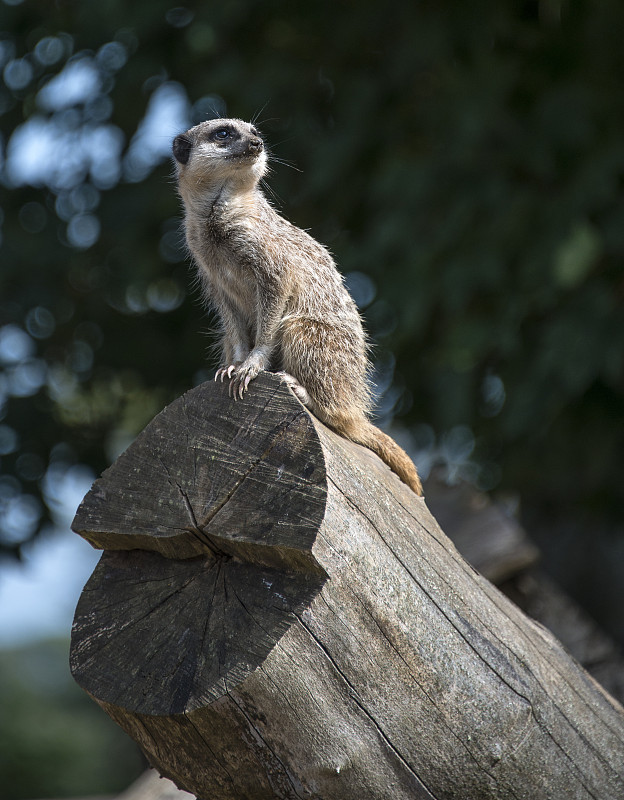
x,y
295,387
329,366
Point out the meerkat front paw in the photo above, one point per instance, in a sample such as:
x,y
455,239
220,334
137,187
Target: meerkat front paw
x,y
245,373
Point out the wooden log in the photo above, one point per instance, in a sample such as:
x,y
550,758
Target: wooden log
x,y
500,549
276,615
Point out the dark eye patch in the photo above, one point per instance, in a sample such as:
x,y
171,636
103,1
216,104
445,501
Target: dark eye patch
x,y
223,134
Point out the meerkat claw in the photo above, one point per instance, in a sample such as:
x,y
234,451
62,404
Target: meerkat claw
x,y
224,372
237,387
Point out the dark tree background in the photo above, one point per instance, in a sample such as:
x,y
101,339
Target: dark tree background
x,y
463,161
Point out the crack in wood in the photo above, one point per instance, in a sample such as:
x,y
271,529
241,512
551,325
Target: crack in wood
x,y
353,694
279,434
279,690
410,672
208,618
198,532
294,795
210,750
449,617
251,616
131,622
194,528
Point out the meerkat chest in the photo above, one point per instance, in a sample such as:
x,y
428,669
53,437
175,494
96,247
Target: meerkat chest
x,y
227,276
234,278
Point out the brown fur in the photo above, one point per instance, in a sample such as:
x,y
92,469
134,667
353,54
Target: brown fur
x,y
281,301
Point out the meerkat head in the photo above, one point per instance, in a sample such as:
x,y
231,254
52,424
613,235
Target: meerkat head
x,y
217,153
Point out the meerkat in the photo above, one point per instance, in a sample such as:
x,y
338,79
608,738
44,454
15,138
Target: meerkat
x,y
280,299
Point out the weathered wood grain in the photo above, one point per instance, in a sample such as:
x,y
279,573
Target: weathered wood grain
x,y
180,632
365,659
212,475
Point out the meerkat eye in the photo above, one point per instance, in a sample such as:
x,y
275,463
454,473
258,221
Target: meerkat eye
x,y
221,134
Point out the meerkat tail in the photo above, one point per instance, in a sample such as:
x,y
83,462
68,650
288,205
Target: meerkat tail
x,y
387,449
393,455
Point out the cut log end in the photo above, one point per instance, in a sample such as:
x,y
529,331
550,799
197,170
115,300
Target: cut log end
x,y
209,476
173,635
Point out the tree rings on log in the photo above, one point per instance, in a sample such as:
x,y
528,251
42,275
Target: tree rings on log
x,y
173,636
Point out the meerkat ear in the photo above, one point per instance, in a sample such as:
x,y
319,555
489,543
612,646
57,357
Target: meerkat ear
x,y
182,147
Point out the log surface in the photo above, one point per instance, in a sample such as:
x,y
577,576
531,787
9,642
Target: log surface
x,y
277,616
209,476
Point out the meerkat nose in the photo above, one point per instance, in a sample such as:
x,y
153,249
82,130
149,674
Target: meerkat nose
x,y
255,145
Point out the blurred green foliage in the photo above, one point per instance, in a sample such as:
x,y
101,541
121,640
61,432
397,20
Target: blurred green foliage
x,y
54,741
463,161
467,158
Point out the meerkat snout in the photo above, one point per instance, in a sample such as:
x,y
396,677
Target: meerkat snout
x,y
255,145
